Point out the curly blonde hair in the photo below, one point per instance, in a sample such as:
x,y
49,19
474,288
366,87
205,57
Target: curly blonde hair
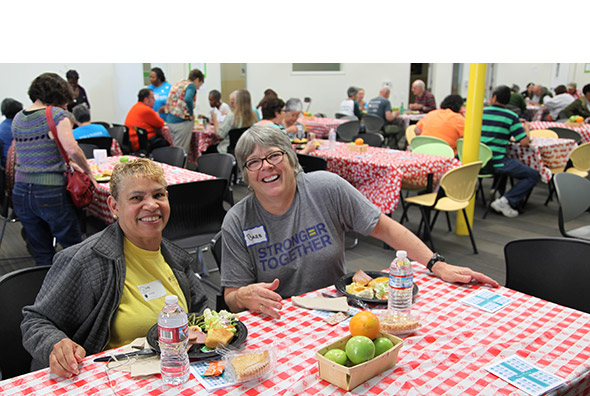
x,y
141,167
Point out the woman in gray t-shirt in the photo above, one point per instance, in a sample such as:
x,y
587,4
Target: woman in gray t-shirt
x,y
287,238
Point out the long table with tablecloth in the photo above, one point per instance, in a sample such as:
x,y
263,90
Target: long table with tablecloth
x,y
447,356
583,129
543,154
174,175
378,172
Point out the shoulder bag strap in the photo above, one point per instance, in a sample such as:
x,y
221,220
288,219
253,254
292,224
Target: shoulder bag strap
x,y
52,127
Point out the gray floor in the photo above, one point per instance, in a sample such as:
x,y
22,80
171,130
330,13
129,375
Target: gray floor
x,y
491,235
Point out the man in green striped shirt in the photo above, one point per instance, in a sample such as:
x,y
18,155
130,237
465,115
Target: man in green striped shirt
x,y
498,125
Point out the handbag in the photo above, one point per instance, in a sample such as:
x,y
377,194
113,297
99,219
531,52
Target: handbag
x,y
79,184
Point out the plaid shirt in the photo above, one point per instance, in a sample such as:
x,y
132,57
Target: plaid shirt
x,y
426,100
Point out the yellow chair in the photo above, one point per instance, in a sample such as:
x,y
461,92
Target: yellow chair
x,y
457,187
544,133
580,159
410,134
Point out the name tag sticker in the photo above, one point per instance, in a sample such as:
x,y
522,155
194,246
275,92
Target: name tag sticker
x,y
152,290
254,236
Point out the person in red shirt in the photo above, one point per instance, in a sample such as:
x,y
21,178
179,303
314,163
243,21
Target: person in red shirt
x,y
424,101
143,115
445,123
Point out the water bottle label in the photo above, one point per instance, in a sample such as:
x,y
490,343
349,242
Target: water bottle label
x,y
174,334
401,281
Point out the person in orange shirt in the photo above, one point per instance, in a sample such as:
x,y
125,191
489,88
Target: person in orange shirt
x,y
445,123
143,115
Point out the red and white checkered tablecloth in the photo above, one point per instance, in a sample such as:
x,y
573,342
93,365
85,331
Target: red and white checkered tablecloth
x,y
543,154
320,126
200,141
406,118
446,356
378,173
583,129
174,175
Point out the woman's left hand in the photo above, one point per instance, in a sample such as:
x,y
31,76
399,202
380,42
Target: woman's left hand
x,y
452,273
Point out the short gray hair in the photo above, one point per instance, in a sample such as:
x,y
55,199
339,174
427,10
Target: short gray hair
x,y
294,104
352,91
81,113
420,84
264,136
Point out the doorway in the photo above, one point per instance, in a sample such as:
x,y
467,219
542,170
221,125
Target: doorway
x,y
233,77
418,71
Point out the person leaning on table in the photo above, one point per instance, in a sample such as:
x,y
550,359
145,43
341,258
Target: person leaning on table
x,y
108,290
287,238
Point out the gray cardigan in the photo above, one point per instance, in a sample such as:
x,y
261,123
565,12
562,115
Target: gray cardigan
x,y
82,291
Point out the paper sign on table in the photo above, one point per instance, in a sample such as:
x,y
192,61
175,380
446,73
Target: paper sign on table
x,y
338,304
518,372
487,300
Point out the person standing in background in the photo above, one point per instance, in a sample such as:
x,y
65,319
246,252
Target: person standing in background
x,y
180,108
41,201
161,89
10,107
79,92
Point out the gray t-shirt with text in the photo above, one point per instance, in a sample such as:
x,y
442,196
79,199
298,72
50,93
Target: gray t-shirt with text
x,y
304,247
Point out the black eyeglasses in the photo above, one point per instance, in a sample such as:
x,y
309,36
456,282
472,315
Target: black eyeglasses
x,y
273,158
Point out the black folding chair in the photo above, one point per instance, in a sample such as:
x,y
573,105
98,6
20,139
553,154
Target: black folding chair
x,y
17,289
219,165
171,155
311,163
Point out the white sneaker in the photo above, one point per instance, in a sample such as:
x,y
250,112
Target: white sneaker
x,y
501,205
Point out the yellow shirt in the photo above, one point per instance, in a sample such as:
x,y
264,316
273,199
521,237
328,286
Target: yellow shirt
x,y
148,280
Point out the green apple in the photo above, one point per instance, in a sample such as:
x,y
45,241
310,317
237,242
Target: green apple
x,y
124,159
573,118
382,344
336,355
360,349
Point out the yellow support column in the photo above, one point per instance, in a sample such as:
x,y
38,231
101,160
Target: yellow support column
x,y
475,95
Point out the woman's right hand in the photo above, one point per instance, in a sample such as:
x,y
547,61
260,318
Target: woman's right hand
x,y
260,297
64,358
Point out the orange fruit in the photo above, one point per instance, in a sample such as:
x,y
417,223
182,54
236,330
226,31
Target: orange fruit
x,y
366,324
580,119
359,141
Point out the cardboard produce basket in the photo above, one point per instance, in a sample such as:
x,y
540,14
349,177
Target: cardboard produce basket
x,y
349,378
361,148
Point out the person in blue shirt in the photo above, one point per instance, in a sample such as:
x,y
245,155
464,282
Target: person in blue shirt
x,y
10,107
161,89
85,129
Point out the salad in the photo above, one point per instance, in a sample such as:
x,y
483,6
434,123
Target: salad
x,y
365,286
213,320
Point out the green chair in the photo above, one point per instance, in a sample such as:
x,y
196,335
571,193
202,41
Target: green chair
x,y
419,140
440,149
485,155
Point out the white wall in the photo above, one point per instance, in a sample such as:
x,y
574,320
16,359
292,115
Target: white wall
x,y
442,77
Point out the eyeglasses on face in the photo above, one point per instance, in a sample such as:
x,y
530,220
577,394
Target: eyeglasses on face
x,y
273,158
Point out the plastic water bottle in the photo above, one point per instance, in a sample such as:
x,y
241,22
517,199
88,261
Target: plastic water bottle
x,y
401,109
332,138
173,334
401,282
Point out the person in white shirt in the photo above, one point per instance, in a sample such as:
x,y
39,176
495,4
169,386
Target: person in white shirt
x,y
349,106
219,109
556,104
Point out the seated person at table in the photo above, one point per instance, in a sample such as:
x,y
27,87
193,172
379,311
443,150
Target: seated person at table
x,y
445,123
555,105
219,109
498,125
360,99
381,106
349,106
109,289
293,109
528,92
424,101
272,109
85,128
572,89
10,108
243,116
580,107
517,103
143,115
287,237
539,94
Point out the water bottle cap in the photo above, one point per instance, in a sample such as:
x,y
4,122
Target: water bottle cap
x,y
401,254
171,299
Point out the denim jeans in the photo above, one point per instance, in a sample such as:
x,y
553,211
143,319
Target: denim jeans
x,y
528,178
45,212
